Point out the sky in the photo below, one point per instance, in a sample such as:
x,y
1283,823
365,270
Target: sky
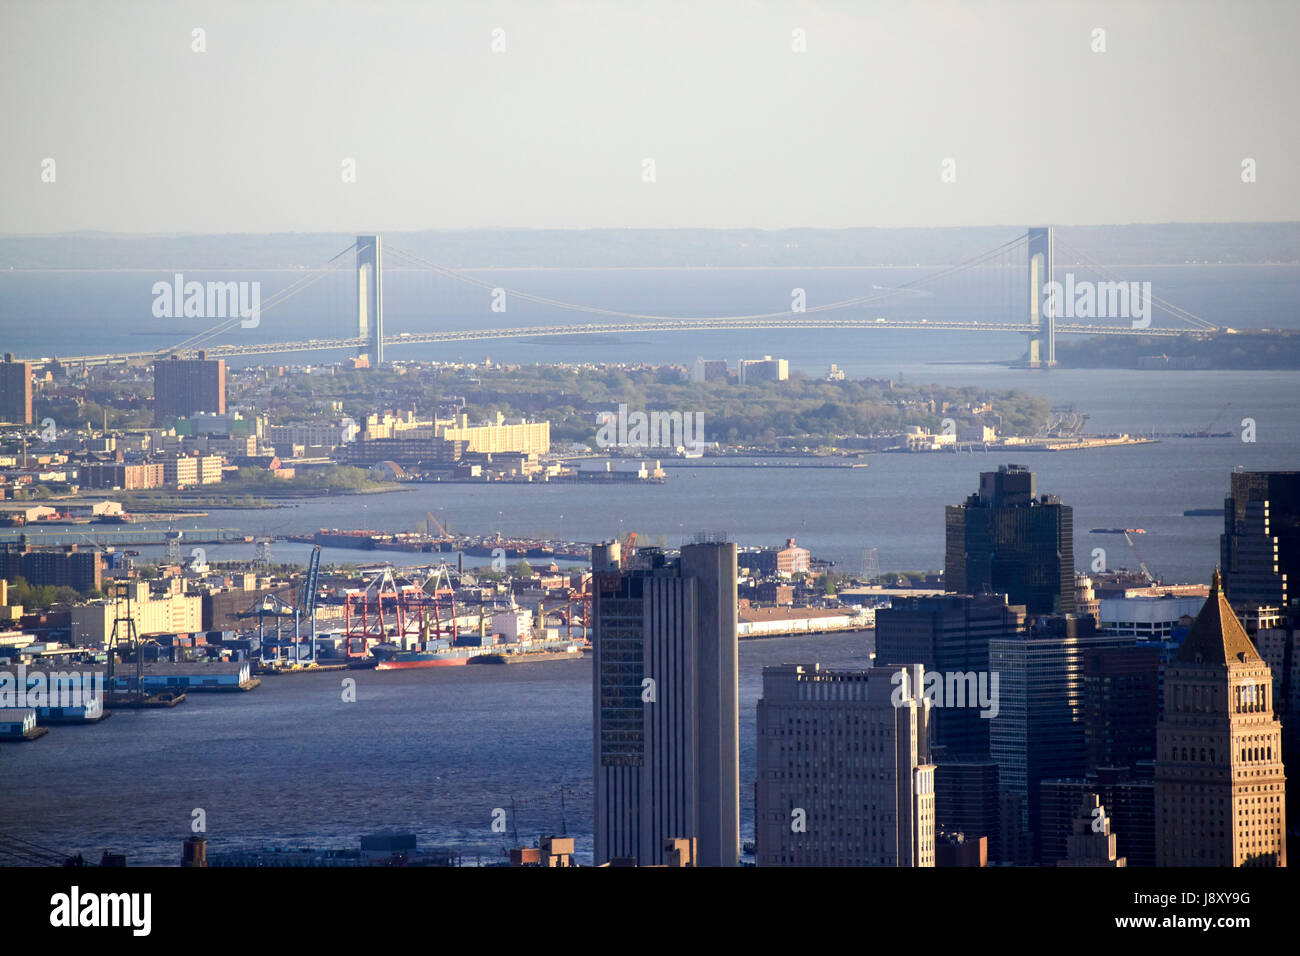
x,y
379,115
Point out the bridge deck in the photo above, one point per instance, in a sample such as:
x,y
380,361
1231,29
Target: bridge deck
x,y
597,328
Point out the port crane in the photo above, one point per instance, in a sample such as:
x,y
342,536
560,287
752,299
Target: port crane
x,y
310,591
388,610
573,608
1205,432
628,548
1142,564
279,610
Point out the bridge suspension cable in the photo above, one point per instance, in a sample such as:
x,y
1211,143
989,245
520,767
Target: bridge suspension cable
x,y
279,298
783,314
1195,321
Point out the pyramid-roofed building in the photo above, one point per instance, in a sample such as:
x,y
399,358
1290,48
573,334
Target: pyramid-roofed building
x,y
1217,637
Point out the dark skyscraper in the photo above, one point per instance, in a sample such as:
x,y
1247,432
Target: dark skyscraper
x,y
1130,802
665,704
1007,540
966,797
183,387
1260,544
949,634
1121,704
1039,731
15,392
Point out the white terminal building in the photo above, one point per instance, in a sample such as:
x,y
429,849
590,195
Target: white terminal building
x,y
1147,617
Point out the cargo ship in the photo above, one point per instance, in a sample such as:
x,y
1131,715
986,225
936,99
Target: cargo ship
x,y
1118,531
549,652
390,657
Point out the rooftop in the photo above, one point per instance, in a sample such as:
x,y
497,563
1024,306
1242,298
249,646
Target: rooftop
x,y
1217,637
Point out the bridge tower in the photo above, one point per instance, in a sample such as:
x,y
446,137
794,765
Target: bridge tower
x,y
370,297
1042,268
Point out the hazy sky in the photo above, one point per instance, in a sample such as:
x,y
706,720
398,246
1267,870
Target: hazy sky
x,y
251,136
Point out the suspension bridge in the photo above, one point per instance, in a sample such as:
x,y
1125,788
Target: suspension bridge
x,y
1028,263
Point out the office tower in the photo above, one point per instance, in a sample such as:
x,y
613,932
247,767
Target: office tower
x,y
949,634
1007,540
1278,645
15,391
1220,785
184,387
1121,703
844,777
1130,802
966,797
1038,732
665,704
1090,842
1260,545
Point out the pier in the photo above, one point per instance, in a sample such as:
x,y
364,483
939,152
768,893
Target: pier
x,y
115,536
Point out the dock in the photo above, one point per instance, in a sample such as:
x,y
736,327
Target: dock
x,y
75,721
107,535
269,670
128,701
25,737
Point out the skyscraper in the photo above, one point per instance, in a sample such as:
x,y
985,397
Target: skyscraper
x,y
1220,785
15,391
1006,540
1038,732
1121,703
844,777
949,634
665,704
183,387
1130,804
966,797
1260,544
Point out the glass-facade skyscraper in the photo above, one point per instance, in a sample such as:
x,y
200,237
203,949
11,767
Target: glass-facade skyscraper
x,y
1005,539
1260,544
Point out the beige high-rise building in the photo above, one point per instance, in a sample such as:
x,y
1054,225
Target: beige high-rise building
x,y
515,435
92,623
1220,785
844,777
